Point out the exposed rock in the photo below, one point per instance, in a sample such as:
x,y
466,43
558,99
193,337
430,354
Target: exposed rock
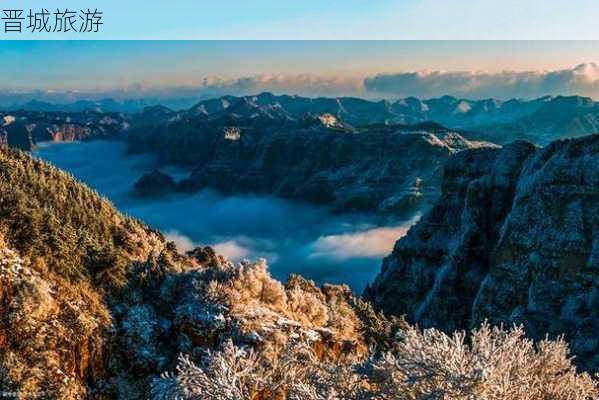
x,y
317,158
512,239
24,129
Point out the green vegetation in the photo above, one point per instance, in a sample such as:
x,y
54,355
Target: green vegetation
x,y
46,214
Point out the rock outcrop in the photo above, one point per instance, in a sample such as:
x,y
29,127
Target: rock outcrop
x,y
24,129
512,239
249,148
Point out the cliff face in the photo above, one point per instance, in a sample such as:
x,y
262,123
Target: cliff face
x,y
512,239
24,129
319,159
388,172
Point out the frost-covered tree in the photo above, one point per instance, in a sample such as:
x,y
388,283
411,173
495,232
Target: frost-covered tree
x,y
489,364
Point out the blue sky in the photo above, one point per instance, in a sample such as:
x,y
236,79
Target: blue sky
x,y
314,67
333,19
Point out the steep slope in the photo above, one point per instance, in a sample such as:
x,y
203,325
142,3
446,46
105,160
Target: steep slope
x,y
62,249
96,305
512,239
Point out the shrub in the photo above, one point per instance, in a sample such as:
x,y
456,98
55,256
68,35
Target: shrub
x,y
492,364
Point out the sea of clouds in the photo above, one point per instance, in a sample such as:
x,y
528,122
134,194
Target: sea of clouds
x,y
292,237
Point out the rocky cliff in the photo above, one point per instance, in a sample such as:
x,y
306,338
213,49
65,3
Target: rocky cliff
x,y
317,158
512,239
387,172
24,129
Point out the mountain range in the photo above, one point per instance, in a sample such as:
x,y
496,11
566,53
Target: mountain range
x,y
500,121
129,106
348,153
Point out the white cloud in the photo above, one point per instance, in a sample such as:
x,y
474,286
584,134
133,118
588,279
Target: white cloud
x,y
235,249
183,242
302,84
232,250
581,80
372,243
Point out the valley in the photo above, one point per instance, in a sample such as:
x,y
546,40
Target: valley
x,y
172,252
326,247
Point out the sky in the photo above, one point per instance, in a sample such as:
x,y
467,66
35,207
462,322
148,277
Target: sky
x,y
334,19
372,69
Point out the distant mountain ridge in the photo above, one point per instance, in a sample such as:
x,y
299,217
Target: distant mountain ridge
x,y
129,106
540,120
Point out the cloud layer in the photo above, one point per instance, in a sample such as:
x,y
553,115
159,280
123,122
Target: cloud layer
x,y
581,80
303,84
372,243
